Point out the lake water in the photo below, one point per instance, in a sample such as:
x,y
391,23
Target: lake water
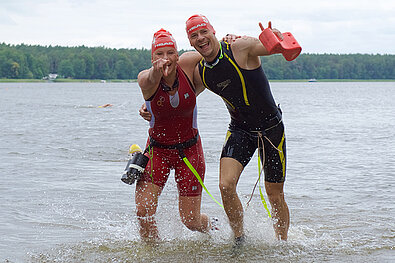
x,y
61,198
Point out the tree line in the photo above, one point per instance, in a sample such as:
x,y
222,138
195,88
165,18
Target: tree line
x,y
36,62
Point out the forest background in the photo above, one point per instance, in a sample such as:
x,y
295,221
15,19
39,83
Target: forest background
x,y
101,63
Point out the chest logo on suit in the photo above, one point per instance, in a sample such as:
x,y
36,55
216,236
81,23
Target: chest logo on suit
x,y
224,84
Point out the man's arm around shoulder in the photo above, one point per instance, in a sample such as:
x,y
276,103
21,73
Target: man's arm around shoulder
x,y
189,63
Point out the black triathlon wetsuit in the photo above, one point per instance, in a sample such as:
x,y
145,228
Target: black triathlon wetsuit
x,y
253,111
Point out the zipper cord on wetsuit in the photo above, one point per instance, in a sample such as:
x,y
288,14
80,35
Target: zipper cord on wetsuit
x,y
258,182
150,154
182,155
190,166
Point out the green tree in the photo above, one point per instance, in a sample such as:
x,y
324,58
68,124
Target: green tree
x,y
79,68
26,61
66,68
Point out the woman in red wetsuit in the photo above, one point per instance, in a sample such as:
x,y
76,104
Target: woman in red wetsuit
x,y
171,99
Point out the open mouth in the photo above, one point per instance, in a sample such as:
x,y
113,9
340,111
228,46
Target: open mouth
x,y
204,46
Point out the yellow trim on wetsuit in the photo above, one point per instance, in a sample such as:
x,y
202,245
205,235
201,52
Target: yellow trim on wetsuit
x,y
241,79
227,45
205,84
204,70
228,134
281,153
233,107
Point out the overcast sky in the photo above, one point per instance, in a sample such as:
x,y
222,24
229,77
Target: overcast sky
x,y
330,26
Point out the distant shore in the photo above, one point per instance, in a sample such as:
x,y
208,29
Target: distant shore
x,y
68,80
332,80
134,80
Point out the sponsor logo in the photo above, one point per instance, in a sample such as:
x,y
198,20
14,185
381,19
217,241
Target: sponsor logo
x,y
186,95
164,44
197,26
222,85
160,101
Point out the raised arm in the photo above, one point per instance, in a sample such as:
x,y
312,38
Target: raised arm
x,y
247,50
149,79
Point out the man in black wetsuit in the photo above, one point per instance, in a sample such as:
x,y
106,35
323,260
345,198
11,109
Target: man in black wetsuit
x,y
233,71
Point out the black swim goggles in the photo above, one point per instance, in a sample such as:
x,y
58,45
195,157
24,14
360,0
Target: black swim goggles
x,y
166,87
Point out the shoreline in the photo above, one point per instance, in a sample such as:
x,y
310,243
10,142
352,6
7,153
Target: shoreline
x,y
135,80
332,80
67,80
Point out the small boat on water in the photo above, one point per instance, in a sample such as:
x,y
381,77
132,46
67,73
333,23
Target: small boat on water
x,y
312,80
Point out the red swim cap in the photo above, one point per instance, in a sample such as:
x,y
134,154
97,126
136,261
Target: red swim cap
x,y
163,38
197,22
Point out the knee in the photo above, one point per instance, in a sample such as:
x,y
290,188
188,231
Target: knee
x,y
275,197
275,192
141,212
227,187
277,201
144,211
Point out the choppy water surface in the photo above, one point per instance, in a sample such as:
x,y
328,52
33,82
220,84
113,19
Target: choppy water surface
x,y
61,198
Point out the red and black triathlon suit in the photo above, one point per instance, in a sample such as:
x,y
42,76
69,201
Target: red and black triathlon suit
x,y
174,121
252,109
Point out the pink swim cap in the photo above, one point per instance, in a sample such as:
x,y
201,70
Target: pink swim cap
x,y
197,22
162,38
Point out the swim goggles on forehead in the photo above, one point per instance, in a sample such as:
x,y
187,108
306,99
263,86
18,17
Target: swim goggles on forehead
x,y
166,87
221,55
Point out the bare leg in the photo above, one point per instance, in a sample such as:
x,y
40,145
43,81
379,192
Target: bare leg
x,y
147,195
280,211
229,174
191,217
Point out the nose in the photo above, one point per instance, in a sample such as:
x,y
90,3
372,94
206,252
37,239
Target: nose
x,y
199,36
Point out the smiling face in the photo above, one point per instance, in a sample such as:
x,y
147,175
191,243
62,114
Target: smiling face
x,y
205,42
168,53
201,35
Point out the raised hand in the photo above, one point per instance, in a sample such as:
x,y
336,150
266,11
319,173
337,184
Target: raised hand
x,y
161,65
230,38
274,30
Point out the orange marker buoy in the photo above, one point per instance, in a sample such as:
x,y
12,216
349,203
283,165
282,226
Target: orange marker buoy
x,y
288,46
